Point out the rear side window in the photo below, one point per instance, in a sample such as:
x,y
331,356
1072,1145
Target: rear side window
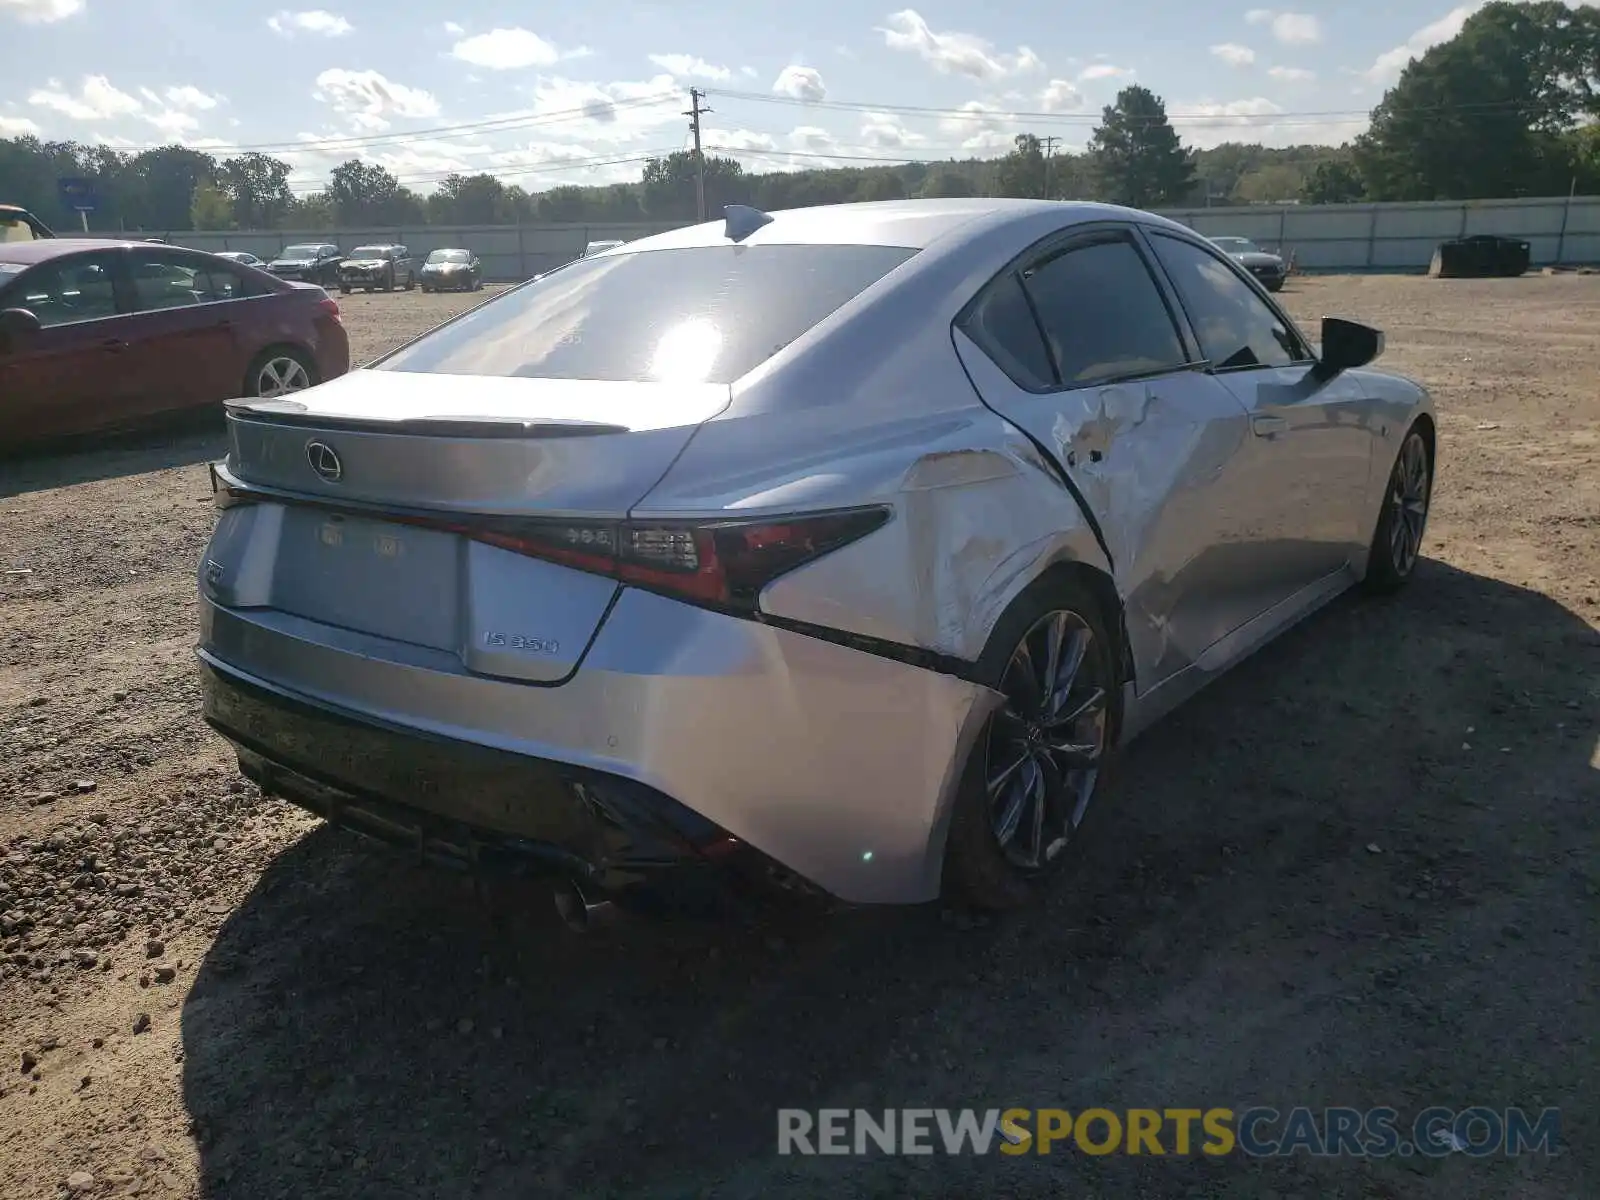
x,y
700,314
1102,314
1002,323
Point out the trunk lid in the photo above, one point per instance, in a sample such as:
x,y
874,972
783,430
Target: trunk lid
x,y
362,456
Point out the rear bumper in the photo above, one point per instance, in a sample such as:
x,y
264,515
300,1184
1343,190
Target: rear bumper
x,y
836,765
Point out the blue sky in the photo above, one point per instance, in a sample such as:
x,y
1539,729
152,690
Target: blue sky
x,y
544,94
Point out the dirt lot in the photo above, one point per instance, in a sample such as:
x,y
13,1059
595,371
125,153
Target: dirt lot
x,y
1362,870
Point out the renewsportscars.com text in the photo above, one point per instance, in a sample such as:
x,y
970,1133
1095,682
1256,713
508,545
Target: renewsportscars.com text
x,y
1434,1132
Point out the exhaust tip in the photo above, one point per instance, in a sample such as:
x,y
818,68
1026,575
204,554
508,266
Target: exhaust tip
x,y
578,912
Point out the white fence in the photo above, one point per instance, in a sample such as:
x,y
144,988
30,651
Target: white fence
x,y
1329,237
1402,237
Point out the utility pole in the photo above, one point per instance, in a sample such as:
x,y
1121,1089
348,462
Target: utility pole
x,y
696,111
1049,152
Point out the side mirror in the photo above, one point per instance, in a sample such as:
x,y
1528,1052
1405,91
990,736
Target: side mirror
x,y
1347,345
16,326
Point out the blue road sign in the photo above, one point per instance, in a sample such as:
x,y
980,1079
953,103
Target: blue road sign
x,y
78,193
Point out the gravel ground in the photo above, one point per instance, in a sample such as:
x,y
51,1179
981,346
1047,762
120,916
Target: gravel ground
x,y
1361,870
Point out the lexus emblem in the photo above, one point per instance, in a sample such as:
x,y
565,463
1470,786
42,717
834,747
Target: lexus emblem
x,y
324,460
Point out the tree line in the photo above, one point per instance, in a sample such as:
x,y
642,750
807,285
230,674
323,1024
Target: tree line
x,y
1508,107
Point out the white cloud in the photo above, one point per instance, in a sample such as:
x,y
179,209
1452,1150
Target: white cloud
x,y
610,112
14,127
883,131
1234,54
98,100
801,83
750,72
317,20
739,139
189,97
41,12
368,99
1386,68
454,30
982,127
954,53
810,139
1103,70
173,123
1210,123
1292,29
512,50
1060,95
1292,74
687,66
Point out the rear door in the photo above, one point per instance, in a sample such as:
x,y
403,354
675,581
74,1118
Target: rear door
x,y
1081,347
1311,441
71,377
184,345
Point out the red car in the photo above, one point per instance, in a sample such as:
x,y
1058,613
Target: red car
x,y
96,335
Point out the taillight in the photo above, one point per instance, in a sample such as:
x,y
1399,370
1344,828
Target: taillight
x,y
330,306
725,564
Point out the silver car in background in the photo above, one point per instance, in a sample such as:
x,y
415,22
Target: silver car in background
x,y
832,549
1267,267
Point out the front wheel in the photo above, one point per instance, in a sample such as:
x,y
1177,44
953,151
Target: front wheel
x,y
1036,766
1397,541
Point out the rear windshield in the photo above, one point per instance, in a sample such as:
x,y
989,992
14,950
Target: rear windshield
x,y
701,314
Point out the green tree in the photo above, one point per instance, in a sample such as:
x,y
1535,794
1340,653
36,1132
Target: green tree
x,y
881,185
1136,155
1488,112
469,200
361,193
212,208
1021,172
668,186
1333,182
157,186
946,182
258,185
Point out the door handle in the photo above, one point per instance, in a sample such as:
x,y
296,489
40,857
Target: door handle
x,y
1264,426
113,344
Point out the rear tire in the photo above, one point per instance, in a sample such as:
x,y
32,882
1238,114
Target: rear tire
x,y
280,371
1039,761
1397,541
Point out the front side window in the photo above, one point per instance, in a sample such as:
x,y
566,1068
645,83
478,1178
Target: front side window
x,y
698,314
1102,315
66,290
1236,327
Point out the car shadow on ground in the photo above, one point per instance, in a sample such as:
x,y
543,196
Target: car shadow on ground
x,y
112,456
1352,872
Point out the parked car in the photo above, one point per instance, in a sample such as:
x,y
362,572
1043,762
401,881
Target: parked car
x,y
20,225
243,257
1268,268
370,267
836,548
310,262
452,271
97,335
600,247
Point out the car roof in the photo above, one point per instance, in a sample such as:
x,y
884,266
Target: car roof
x,y
47,248
916,224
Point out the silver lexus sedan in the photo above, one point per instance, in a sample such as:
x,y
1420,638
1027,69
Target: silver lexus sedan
x,y
831,550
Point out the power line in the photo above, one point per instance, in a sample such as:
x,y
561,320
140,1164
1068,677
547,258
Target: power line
x,y
510,172
1326,116
465,129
